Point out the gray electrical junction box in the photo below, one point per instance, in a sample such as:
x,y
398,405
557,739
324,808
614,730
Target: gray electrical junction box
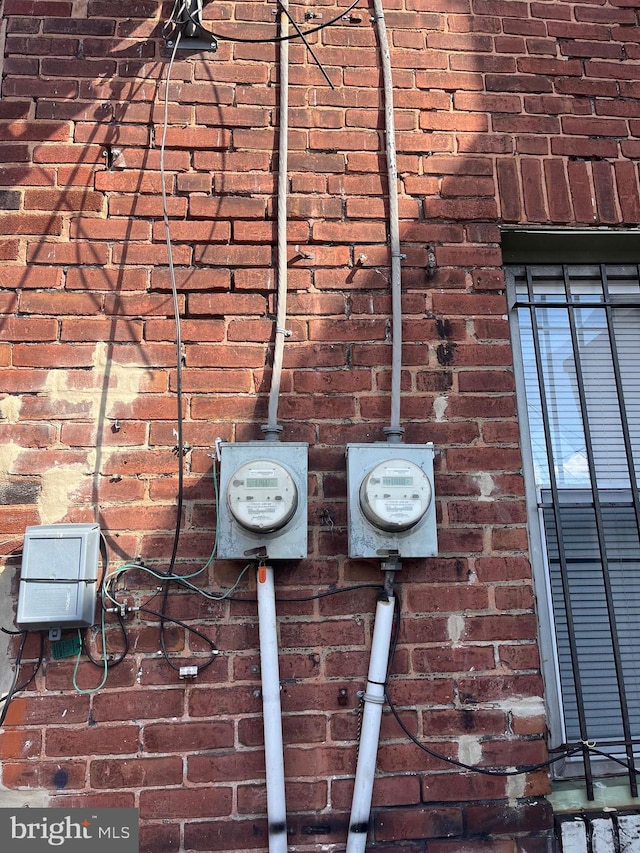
x,y
59,576
391,500
262,507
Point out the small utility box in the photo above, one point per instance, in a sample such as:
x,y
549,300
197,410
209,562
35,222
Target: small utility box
x,y
59,576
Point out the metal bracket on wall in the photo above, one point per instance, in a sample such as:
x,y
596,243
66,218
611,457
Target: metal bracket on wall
x,y
188,30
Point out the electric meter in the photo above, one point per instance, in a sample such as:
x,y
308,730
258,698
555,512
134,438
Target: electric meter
x,y
262,496
395,495
263,506
391,506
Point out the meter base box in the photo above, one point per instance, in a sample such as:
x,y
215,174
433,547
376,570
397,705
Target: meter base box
x,y
262,509
59,576
367,539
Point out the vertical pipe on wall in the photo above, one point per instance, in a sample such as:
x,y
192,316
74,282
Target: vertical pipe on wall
x,y
272,428
394,431
272,714
373,699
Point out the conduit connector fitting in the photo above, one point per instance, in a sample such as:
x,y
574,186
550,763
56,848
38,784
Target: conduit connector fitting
x,y
394,434
271,431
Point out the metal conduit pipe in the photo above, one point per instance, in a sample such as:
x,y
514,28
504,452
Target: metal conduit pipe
x,y
272,713
272,429
373,697
394,431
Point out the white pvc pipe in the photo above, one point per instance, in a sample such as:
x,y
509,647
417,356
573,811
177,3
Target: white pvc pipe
x,y
272,715
370,731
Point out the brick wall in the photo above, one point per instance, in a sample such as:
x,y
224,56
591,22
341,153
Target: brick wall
x,y
506,112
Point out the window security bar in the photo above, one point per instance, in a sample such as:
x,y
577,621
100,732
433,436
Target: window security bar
x,y
578,327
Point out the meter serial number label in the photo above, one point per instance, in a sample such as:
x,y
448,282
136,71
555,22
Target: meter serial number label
x,y
259,509
397,509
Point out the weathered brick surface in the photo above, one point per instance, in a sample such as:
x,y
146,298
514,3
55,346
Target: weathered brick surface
x,y
507,112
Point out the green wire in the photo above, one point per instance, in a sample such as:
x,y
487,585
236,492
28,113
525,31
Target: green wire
x,y
126,567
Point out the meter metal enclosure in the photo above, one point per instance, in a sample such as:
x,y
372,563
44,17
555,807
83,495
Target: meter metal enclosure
x,y
262,507
391,506
59,576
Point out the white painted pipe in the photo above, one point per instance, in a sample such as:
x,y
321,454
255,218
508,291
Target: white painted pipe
x,y
370,731
272,714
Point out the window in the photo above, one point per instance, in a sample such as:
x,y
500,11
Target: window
x,y
577,352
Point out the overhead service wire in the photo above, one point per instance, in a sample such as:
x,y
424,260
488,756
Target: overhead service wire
x,y
170,576
275,39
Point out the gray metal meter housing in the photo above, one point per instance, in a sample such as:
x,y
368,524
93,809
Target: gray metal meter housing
x,y
406,537
59,576
262,507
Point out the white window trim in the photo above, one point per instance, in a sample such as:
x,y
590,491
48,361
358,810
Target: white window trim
x,y
547,642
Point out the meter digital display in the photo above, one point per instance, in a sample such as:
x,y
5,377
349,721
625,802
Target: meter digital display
x,y
262,482
395,494
262,496
397,481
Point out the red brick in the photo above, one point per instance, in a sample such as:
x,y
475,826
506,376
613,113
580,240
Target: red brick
x,y
67,253
226,835
58,303
105,740
605,193
627,191
28,329
418,823
100,330
138,772
46,775
189,736
533,190
186,802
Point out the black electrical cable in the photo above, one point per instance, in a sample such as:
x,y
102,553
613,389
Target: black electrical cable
x,y
214,650
110,663
565,751
176,315
36,669
313,597
13,688
276,39
184,582
485,771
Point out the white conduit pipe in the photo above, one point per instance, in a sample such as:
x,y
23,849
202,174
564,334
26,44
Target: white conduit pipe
x,y
394,431
272,428
370,731
272,716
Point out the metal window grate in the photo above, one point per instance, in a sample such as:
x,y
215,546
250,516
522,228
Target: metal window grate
x,y
579,327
